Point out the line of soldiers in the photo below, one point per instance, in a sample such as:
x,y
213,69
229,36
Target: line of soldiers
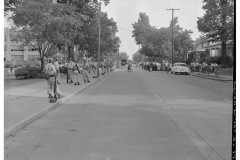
x,y
79,67
73,69
106,66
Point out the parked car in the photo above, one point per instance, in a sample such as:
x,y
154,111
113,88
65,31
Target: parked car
x,y
180,68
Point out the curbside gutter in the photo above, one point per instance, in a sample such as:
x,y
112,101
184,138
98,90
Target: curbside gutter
x,y
219,78
47,109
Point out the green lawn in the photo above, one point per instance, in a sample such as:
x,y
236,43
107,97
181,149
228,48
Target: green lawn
x,y
226,71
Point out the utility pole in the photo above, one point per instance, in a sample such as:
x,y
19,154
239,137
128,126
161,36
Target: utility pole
x,y
99,38
172,32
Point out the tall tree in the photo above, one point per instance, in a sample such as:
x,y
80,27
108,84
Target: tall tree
x,y
138,57
41,24
89,10
109,41
141,29
218,22
123,55
157,43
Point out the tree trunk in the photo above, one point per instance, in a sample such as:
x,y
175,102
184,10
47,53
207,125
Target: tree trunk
x,y
42,63
71,52
224,49
223,31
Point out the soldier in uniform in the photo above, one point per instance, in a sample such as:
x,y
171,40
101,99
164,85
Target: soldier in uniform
x,y
56,65
85,72
51,70
70,64
76,72
94,69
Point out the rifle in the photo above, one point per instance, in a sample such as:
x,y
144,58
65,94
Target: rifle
x,y
55,88
55,97
77,68
67,75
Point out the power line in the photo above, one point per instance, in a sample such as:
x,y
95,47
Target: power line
x,y
124,29
174,3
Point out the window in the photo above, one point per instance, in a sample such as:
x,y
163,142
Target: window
x,y
5,47
31,48
17,57
5,38
33,57
16,48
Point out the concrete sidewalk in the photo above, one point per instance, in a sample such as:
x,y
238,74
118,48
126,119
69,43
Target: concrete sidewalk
x,y
213,76
23,105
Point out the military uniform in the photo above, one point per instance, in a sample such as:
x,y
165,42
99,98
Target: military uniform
x,y
85,73
56,65
94,68
70,64
50,69
76,72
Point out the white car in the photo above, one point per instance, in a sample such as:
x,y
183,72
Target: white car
x,y
180,68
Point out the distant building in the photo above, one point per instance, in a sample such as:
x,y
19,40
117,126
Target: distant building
x,y
15,51
210,49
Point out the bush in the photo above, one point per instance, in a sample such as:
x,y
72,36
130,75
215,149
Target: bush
x,y
8,64
28,72
18,65
22,73
229,61
210,60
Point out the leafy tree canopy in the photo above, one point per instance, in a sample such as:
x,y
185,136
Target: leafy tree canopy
x,y
218,20
157,42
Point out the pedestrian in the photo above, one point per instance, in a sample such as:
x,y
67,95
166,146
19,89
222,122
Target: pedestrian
x,y
9,71
76,72
88,66
70,64
150,67
94,69
56,65
85,73
168,67
50,70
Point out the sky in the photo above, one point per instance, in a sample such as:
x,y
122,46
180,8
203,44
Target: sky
x,y
126,12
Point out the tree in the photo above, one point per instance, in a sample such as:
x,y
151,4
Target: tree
x,y
157,43
109,41
123,55
141,29
72,22
218,22
41,24
89,10
138,57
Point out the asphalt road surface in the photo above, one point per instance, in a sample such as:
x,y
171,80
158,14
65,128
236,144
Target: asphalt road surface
x,y
136,115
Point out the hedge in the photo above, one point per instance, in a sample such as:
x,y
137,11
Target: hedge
x,y
8,64
28,72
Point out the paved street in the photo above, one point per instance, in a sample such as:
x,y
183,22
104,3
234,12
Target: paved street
x,y
136,115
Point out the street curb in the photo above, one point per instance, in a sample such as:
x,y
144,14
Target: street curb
x,y
215,79
44,111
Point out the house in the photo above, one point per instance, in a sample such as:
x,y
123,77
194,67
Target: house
x,y
209,49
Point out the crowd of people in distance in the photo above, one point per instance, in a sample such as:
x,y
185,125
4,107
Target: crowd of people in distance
x,y
72,70
204,67
166,66
151,66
